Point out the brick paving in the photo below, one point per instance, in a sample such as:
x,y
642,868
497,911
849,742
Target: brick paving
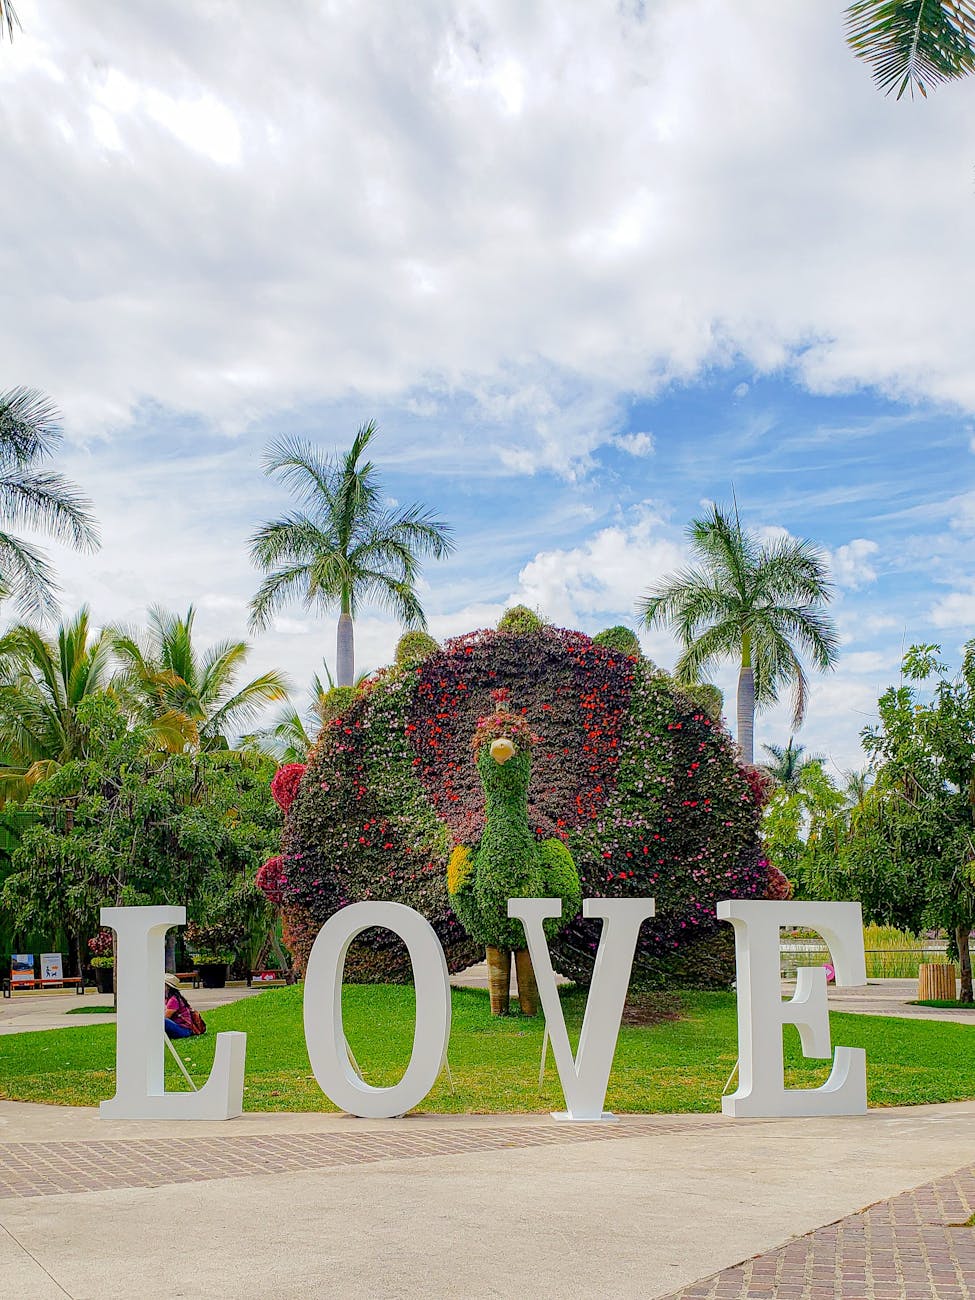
x,y
913,1247
53,1168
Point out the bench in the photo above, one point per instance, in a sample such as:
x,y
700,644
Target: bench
x,y
267,977
185,976
9,985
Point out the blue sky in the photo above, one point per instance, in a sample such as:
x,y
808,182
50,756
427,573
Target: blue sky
x,y
588,265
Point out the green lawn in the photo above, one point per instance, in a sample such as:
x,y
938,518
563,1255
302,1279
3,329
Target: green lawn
x,y
678,1065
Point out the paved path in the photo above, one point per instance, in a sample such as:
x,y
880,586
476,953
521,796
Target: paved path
x,y
270,1207
64,1009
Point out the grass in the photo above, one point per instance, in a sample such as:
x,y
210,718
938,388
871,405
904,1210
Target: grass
x,y
952,1005
91,1011
676,1065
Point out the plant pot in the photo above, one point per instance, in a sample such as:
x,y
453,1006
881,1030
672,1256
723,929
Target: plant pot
x,y
212,975
105,979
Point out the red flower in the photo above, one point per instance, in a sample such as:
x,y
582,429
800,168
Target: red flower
x,y
270,879
284,787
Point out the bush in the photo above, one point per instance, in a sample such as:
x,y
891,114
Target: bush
x,y
520,620
414,647
619,638
642,787
335,702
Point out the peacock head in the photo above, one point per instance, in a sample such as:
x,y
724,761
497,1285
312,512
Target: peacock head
x,y
502,747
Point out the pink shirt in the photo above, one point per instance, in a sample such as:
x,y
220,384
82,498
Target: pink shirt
x,y
180,1012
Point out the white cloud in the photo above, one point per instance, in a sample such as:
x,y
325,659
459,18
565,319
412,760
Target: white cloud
x,y
635,444
956,609
851,564
372,200
605,575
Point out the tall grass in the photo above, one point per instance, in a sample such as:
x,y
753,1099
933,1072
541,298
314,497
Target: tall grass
x,y
895,954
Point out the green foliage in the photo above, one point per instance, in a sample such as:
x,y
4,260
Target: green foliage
x,y
913,43
619,638
415,646
192,699
805,826
894,954
335,702
706,696
509,862
125,825
519,619
760,603
35,498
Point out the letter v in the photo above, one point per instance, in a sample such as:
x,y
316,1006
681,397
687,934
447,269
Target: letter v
x,y
584,1078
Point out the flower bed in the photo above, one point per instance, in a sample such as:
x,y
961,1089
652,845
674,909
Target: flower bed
x,y
642,786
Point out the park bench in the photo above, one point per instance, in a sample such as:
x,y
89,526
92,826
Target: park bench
x,y
267,977
10,985
186,976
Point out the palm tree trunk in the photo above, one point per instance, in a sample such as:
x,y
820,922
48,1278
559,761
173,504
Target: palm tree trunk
x,y
499,980
746,713
345,652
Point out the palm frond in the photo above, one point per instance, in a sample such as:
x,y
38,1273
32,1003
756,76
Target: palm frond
x,y
50,502
27,576
913,44
30,423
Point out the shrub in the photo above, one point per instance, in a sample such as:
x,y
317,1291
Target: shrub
x,y
285,784
519,619
414,647
619,638
335,702
706,696
642,787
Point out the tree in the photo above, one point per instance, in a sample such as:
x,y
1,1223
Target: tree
x,y
913,43
343,546
787,765
291,735
36,499
127,825
756,601
45,685
166,681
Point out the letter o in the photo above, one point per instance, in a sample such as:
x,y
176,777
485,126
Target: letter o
x,y
325,1039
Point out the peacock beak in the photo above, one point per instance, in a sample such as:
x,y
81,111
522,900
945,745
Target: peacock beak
x,y
502,749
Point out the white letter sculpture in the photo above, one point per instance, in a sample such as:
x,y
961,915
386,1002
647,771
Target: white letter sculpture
x,y
584,1079
762,1012
327,1048
140,1087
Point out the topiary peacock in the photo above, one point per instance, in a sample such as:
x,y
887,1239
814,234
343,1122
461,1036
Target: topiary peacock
x,y
508,861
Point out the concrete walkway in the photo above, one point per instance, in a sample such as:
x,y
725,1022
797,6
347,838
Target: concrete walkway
x,y
270,1207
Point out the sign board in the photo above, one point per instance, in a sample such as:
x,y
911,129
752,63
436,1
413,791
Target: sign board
x,y
51,966
21,967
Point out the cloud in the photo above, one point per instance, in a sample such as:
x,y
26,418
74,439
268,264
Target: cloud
x,y
605,575
371,201
851,564
956,609
634,444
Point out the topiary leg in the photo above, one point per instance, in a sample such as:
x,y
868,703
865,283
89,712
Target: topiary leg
x,y
499,979
527,987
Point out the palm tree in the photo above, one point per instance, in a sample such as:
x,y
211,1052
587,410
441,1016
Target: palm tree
x,y
343,546
913,43
8,16
45,683
752,600
291,734
167,681
35,498
788,764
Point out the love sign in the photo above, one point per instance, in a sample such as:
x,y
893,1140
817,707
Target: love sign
x,y
140,1091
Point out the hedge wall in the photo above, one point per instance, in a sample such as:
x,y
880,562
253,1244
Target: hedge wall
x,y
642,786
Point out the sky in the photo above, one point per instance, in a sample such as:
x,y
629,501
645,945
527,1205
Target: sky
x,y
590,265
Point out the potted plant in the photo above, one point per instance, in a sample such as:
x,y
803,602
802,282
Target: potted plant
x,y
104,968
212,967
103,961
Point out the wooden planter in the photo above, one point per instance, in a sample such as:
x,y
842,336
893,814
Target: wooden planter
x,y
936,982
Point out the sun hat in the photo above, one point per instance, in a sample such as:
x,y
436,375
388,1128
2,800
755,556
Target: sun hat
x,y
172,982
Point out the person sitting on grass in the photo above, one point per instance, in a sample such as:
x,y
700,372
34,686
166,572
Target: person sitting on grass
x,y
179,1013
